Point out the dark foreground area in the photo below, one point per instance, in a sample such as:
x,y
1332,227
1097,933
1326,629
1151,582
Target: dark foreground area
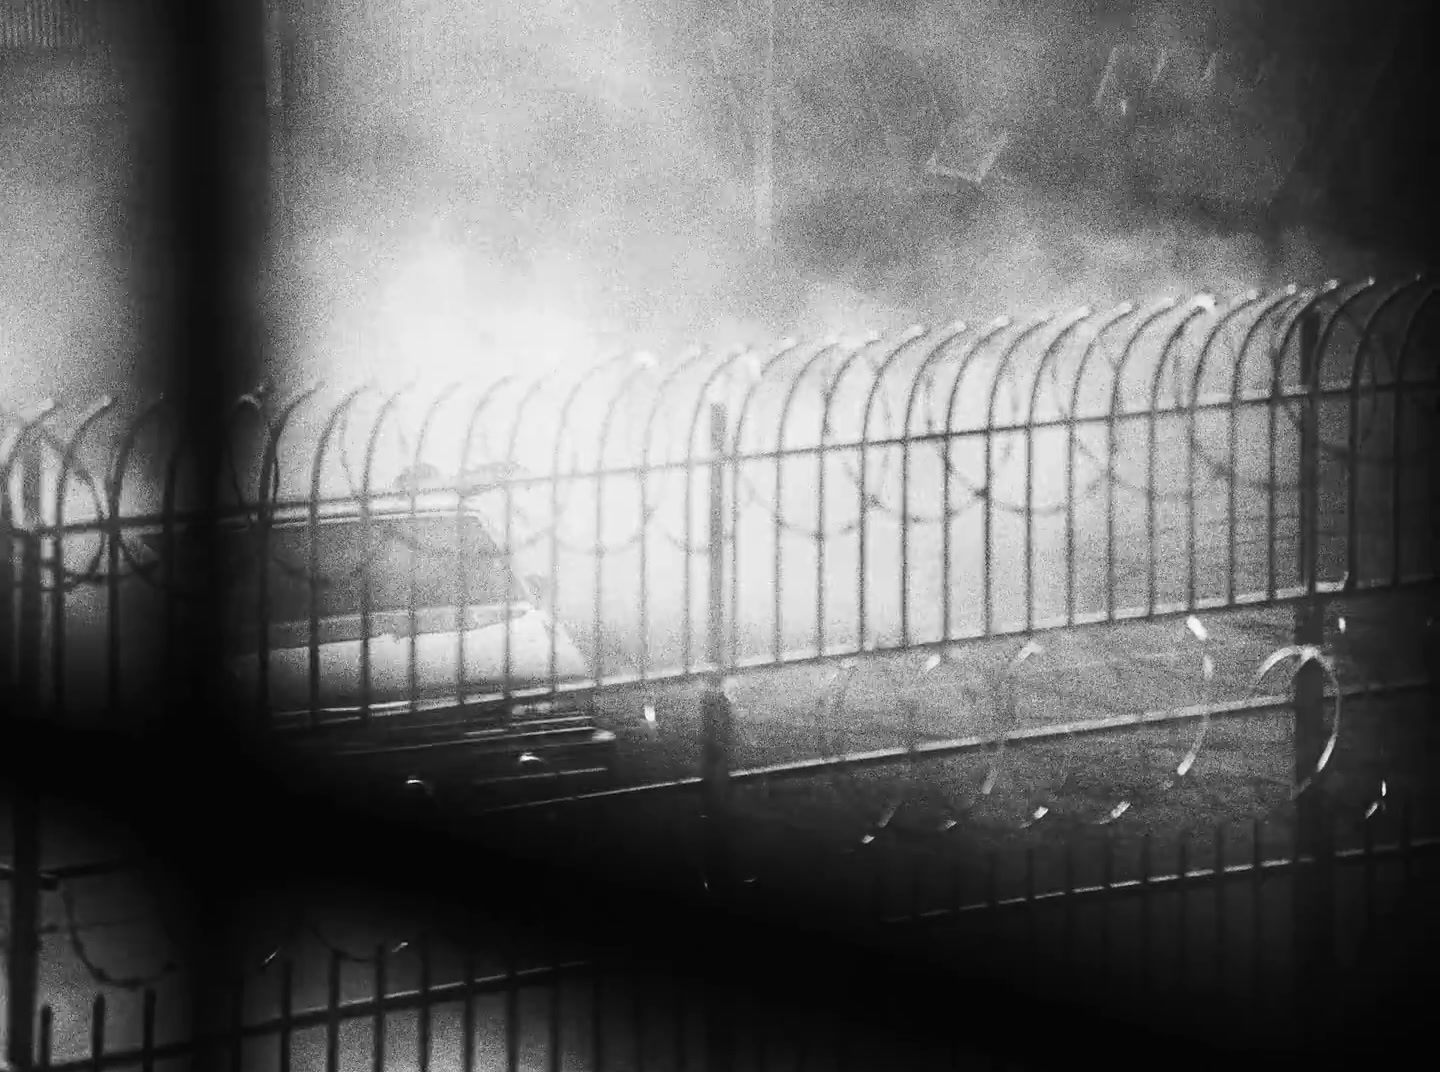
x,y
886,916
802,942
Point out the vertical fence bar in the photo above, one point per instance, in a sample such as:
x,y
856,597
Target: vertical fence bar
x,y
47,1033
377,1036
777,640
734,530
422,1032
56,697
1182,868
1273,471
820,456
1143,974
597,1017
1352,463
1067,940
287,1011
8,624
687,580
1397,473
557,980
1313,881
24,953
1309,484
263,521
644,579
597,624
716,538
1368,846
512,1011
332,1015
717,728
1257,931
1220,932
1232,483
147,1033
716,715
1112,421
1032,925
946,537
97,1033
467,1016
23,959
1107,879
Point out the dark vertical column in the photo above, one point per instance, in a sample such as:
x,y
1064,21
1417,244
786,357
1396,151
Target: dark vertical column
x,y
23,957
208,201
1314,932
214,101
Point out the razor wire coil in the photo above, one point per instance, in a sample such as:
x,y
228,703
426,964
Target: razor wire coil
x,y
655,410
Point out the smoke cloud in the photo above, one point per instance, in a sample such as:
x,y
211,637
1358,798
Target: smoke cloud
x,y
479,189
490,190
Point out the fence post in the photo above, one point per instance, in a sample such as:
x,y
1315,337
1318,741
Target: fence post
x,y
23,957
716,716
717,722
24,952
1313,890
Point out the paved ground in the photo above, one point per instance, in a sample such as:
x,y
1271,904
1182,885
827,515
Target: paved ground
x,y
1242,769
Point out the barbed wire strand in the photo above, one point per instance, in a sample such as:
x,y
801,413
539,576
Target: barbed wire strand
x,y
1107,472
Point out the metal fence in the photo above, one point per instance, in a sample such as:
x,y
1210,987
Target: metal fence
x,y
418,575
1218,934
741,511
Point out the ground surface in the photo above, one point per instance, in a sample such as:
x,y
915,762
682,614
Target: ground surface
x,y
1243,768
806,834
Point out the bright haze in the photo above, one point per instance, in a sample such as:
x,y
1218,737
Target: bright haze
x,y
485,187
516,187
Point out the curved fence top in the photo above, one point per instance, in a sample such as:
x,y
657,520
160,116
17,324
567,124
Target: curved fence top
x,y
637,411
944,481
